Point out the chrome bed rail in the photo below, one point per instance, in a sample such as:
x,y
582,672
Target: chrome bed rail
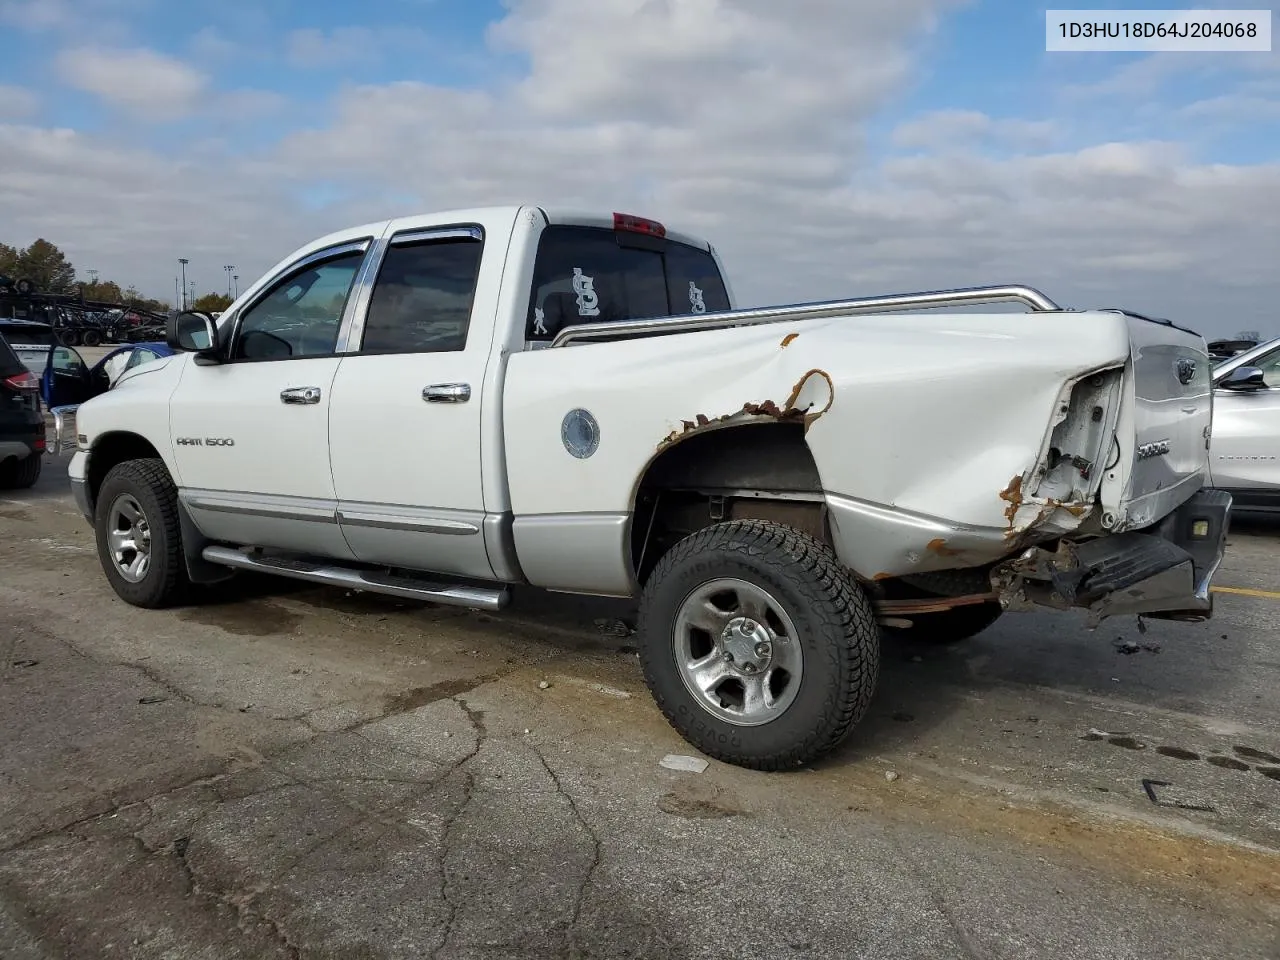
x,y
965,296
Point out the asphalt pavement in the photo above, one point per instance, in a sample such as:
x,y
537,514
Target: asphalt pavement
x,y
299,772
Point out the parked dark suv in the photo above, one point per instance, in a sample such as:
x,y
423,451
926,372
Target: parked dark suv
x,y
22,438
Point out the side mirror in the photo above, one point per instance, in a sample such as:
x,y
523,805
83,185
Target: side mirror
x,y
1244,380
192,332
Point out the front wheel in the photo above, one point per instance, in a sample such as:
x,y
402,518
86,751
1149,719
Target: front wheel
x,y
757,645
138,534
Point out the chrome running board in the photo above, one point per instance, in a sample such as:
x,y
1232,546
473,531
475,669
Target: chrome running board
x,y
408,588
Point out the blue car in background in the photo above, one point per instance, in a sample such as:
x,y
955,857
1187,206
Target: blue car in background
x,y
67,380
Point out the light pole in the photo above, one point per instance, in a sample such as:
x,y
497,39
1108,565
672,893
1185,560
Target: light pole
x,y
193,292
229,267
236,278
184,262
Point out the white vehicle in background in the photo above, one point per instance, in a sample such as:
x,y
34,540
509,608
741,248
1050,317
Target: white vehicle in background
x,y
442,407
1245,454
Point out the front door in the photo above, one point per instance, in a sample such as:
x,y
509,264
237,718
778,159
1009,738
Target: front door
x,y
1245,449
406,423
251,434
66,380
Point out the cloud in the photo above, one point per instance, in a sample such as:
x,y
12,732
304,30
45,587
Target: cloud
x,y
949,129
97,19
745,120
210,43
17,102
129,212
36,14
142,82
312,48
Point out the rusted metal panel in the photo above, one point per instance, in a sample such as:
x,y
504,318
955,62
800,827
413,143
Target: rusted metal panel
x,y
788,411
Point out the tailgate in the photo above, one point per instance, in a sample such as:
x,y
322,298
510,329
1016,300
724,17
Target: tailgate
x,y
1167,420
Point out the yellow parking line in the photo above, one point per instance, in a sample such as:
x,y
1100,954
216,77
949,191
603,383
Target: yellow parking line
x,y
1243,592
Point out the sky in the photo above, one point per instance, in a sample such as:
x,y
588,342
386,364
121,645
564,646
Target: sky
x,y
828,148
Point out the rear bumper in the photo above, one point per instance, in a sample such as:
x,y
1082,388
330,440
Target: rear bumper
x,y
1163,572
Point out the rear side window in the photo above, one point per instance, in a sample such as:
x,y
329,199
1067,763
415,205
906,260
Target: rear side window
x,y
422,298
585,275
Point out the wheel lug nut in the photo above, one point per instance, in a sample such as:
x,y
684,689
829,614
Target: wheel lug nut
x,y
728,657
763,650
749,626
749,667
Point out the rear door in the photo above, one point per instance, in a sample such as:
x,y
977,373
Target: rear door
x,y
406,422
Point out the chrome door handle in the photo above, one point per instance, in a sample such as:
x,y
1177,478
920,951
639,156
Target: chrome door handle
x,y
300,395
447,393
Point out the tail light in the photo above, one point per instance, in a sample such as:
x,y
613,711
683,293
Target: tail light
x,y
25,382
630,224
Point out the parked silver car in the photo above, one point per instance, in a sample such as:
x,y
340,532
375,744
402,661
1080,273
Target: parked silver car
x,y
1245,446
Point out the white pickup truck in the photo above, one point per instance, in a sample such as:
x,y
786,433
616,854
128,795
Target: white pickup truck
x,y
443,406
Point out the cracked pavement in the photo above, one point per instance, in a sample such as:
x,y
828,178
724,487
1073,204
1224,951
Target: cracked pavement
x,y
294,772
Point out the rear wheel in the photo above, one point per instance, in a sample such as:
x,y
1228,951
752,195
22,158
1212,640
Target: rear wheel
x,y
757,645
21,474
138,534
91,337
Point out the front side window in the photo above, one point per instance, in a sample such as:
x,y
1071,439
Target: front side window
x,y
594,275
422,298
301,314
1270,367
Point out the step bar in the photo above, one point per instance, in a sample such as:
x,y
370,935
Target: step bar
x,y
328,574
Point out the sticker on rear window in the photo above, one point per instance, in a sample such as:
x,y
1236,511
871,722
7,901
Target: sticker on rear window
x,y
585,287
696,301
539,322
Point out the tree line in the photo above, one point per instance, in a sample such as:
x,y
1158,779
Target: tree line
x,y
48,268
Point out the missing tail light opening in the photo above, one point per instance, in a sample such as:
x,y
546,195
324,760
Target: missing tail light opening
x,y
1071,469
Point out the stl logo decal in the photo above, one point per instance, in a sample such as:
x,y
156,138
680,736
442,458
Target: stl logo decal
x,y
585,287
695,299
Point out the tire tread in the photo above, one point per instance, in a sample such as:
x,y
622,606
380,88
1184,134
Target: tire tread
x,y
838,606
152,476
21,474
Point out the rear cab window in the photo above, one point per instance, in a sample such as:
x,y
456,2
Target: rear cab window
x,y
597,275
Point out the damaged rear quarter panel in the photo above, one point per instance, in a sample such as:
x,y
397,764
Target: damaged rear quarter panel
x,y
646,394
928,414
